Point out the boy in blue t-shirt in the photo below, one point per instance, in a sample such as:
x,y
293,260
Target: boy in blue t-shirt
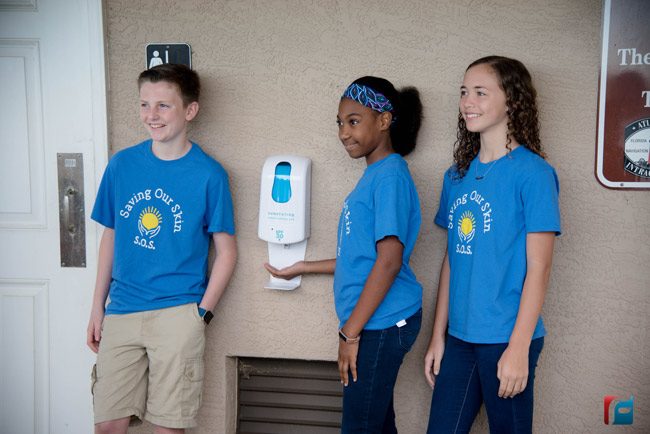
x,y
160,202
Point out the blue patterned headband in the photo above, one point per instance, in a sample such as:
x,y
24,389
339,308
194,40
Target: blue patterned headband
x,y
368,97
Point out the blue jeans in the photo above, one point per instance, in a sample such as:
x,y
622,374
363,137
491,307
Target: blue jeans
x,y
467,378
368,402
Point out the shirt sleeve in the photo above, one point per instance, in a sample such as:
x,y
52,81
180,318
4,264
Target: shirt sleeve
x,y
393,202
220,215
104,208
441,218
540,197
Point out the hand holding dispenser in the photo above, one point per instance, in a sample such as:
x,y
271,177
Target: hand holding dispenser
x,y
284,220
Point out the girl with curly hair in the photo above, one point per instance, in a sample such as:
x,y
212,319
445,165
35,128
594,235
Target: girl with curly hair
x,y
499,204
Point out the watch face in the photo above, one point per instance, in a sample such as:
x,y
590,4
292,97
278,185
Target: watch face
x,y
208,317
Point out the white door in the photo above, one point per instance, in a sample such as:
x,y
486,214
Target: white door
x,y
52,100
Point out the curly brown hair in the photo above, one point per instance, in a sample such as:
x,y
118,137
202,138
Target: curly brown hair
x,y
523,124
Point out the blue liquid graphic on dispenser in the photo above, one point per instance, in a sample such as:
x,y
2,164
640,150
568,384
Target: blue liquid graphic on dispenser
x,y
281,192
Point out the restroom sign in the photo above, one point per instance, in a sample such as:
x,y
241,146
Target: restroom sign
x,y
159,53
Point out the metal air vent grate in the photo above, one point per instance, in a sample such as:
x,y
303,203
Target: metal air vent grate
x,y
278,396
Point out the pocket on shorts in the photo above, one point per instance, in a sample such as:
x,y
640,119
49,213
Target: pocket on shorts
x,y
93,380
195,314
193,386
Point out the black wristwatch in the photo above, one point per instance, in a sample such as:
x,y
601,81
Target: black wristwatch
x,y
206,315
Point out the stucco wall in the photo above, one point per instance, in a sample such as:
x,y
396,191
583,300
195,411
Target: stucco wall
x,y
273,72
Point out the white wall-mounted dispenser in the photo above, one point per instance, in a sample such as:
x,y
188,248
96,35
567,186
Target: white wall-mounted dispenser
x,y
284,221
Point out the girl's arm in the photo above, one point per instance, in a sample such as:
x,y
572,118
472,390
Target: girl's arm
x,y
325,266
436,349
512,369
223,266
380,279
102,284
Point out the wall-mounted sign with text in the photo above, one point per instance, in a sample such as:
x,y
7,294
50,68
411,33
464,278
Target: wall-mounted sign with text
x,y
623,143
159,53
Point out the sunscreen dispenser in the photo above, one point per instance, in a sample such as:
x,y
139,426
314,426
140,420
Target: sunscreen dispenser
x,y
284,221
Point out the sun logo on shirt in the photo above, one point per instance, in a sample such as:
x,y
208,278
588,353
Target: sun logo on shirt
x,y
149,222
466,226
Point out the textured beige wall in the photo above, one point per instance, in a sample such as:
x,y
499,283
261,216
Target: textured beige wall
x,y
273,72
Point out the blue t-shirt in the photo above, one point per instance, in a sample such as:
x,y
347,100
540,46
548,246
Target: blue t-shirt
x,y
384,203
163,213
487,221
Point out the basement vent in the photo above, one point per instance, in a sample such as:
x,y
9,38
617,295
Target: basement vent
x,y
278,396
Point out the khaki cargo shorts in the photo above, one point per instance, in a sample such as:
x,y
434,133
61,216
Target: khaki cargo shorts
x,y
150,365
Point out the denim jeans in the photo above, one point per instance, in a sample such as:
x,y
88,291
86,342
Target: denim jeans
x,y
368,402
467,378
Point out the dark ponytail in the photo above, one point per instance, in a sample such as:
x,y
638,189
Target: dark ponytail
x,y
404,131
407,112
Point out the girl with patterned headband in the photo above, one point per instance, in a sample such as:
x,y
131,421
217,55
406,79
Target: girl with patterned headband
x,y
377,297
